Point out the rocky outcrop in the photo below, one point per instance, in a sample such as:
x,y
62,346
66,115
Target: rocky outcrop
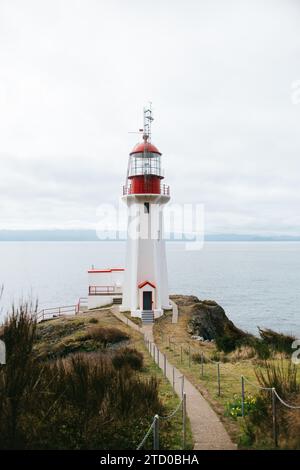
x,y
207,319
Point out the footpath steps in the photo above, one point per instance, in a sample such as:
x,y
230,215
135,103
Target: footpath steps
x,y
147,316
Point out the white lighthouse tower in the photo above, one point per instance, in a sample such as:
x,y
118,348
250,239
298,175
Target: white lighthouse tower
x,y
145,288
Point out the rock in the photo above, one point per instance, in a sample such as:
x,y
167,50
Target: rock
x,y
198,338
208,319
184,300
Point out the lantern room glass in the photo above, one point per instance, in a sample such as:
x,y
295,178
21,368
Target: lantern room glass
x,y
145,164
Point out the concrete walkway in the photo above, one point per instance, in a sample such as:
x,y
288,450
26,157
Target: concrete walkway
x,y
208,431
175,311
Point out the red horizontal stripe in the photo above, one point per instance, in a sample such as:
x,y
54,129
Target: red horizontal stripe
x,y
105,270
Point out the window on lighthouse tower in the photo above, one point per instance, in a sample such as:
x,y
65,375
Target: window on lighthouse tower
x,y
146,207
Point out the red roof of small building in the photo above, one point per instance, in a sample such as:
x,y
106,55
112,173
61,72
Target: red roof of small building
x,y
145,146
108,270
142,284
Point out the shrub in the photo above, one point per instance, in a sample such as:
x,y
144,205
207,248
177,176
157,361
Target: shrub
x,y
93,320
106,335
279,341
128,357
80,402
262,349
226,343
258,425
280,375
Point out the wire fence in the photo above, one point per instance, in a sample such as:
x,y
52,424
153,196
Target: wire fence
x,y
154,427
158,356
186,351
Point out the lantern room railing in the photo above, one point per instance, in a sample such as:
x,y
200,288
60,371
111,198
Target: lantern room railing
x,y
164,190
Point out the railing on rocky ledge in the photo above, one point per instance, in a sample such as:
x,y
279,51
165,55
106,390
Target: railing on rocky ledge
x,y
53,312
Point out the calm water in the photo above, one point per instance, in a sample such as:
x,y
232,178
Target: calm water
x,y
256,283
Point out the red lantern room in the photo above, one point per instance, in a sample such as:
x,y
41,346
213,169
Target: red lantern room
x,y
144,169
144,174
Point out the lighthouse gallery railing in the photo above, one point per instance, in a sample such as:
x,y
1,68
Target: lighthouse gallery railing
x,y
164,190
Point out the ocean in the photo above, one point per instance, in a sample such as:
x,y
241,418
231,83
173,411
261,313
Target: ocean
x,y
257,283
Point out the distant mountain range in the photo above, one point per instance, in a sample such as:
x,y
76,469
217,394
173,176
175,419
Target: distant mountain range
x,y
91,235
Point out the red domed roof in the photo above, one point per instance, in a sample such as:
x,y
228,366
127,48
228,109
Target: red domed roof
x,y
145,146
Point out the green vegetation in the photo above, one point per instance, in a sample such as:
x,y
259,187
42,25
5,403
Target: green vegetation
x,y
54,398
277,341
60,337
281,375
263,361
269,343
234,407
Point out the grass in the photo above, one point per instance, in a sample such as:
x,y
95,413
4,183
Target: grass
x,y
282,377
135,320
175,341
77,376
170,400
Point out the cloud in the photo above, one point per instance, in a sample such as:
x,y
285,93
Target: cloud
x,y
75,75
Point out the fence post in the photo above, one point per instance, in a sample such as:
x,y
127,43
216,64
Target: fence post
x,y
173,378
183,421
165,365
182,385
219,380
156,433
274,416
202,365
157,355
181,354
243,395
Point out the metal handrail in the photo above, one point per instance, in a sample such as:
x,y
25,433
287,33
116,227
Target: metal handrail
x,y
94,290
48,313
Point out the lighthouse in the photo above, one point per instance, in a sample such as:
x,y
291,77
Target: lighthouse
x,y
145,286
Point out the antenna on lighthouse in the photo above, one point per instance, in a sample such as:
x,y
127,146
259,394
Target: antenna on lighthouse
x,y
148,118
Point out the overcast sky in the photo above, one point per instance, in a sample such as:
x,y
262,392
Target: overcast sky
x,y
75,75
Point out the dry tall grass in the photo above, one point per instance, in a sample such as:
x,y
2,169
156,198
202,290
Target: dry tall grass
x,y
78,402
